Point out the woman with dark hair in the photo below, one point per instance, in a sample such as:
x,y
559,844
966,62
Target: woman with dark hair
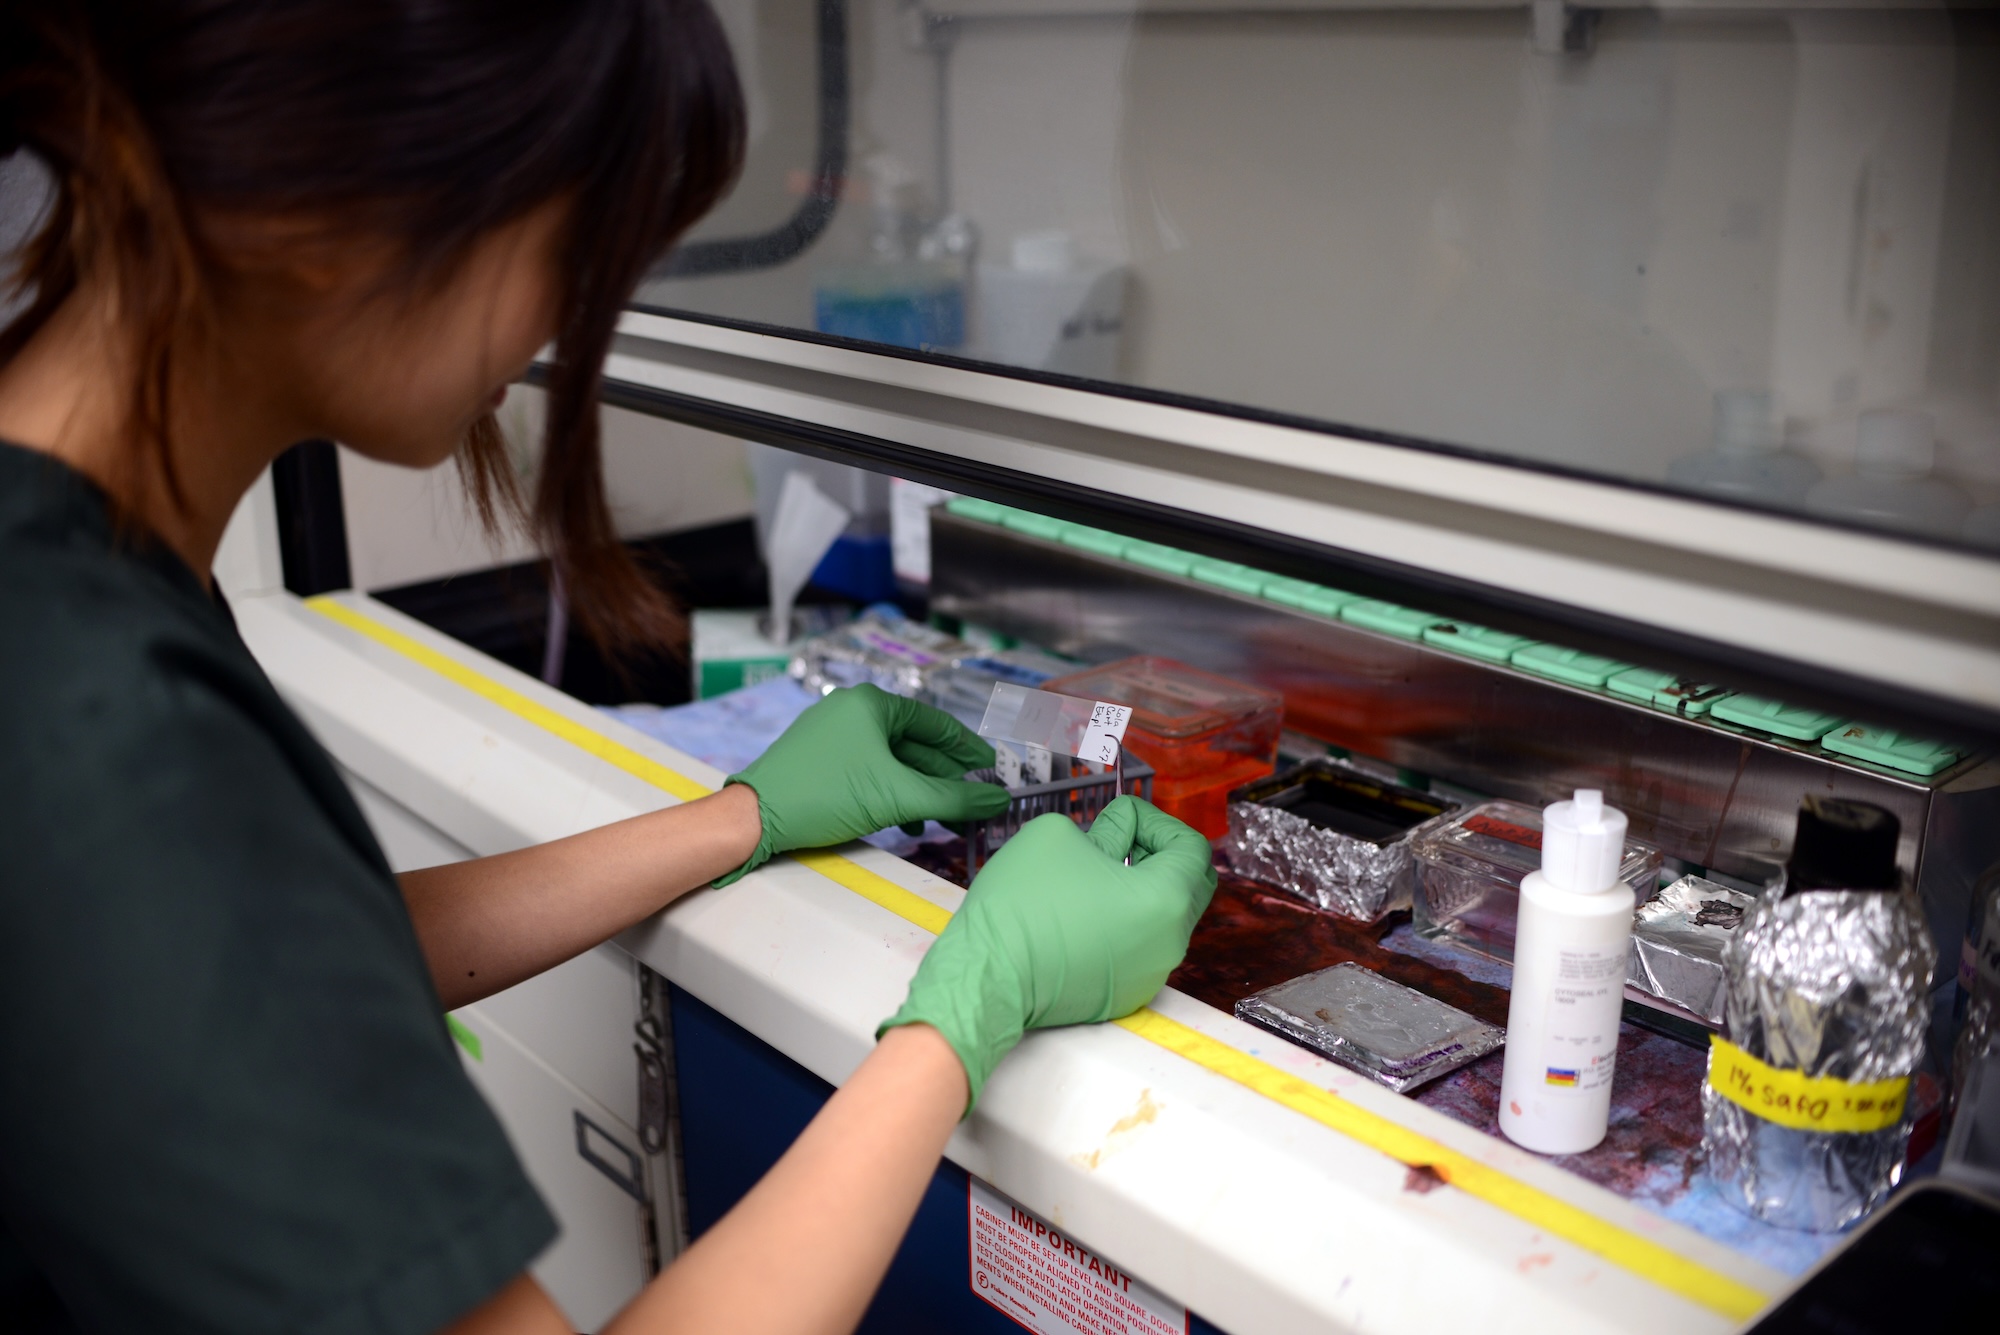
x,y
227,1098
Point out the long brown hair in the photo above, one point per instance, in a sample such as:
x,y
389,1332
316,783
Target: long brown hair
x,y
423,122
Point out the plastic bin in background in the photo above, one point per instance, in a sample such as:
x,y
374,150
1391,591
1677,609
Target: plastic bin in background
x,y
1202,734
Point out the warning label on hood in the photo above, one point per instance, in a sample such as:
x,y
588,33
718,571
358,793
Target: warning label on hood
x,y
1051,1283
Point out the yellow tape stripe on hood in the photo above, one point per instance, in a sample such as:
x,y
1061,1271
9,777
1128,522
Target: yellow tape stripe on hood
x,y
905,904
1622,1247
1574,1224
548,720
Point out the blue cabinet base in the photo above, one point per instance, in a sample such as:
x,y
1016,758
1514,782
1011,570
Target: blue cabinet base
x,y
742,1105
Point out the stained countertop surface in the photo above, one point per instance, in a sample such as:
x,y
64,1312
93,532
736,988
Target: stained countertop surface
x,y
1253,937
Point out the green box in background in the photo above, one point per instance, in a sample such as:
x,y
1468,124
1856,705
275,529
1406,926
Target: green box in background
x,y
729,652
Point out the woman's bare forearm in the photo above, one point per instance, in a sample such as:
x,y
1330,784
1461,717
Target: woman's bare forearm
x,y
833,1211
835,1207
491,922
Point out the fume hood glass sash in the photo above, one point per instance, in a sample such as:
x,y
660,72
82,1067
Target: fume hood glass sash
x,y
1911,624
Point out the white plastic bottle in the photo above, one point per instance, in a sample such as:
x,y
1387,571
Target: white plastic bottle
x,y
1570,950
1748,461
1892,487
1051,308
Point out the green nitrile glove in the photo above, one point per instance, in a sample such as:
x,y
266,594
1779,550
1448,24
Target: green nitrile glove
x,y
1058,930
859,761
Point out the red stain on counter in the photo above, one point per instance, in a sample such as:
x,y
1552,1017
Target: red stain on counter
x,y
1423,1179
1253,937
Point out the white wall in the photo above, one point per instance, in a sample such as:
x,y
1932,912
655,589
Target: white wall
x,y
404,526
248,560
1407,219
1864,205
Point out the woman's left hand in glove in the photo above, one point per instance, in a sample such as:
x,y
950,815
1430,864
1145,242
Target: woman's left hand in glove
x,y
859,761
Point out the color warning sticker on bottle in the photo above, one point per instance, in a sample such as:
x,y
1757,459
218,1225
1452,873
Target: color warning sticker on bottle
x,y
1800,1101
1580,1035
1051,1283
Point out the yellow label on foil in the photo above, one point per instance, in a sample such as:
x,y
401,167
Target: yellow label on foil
x,y
1800,1101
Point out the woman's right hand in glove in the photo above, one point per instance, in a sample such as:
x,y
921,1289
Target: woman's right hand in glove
x,y
1058,930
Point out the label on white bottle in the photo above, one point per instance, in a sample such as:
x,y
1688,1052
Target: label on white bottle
x,y
1582,1041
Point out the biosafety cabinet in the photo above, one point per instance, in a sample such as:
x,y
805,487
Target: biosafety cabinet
x,y
1664,337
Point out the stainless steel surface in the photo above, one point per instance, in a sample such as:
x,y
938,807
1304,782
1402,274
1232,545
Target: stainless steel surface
x,y
1677,942
1073,790
1961,841
1705,794
1972,1153
1979,988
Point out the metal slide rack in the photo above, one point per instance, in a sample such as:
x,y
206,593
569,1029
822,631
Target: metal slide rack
x,y
1073,790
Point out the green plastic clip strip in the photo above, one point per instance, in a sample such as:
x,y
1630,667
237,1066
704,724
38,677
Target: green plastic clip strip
x,y
1307,596
1102,541
1231,575
1664,690
1481,642
1573,667
1891,749
1389,618
1158,556
1776,717
1287,592
971,507
1034,525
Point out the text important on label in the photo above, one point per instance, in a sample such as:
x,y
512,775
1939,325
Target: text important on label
x,y
1051,1283
1800,1101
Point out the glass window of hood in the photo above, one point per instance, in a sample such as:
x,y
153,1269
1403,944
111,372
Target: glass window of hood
x,y
1751,252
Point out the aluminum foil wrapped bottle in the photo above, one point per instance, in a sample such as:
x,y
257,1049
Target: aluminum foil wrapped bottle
x,y
1805,1114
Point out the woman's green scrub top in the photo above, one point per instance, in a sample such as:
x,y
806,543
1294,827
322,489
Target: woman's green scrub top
x,y
228,1100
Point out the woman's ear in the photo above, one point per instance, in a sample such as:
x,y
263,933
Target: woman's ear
x,y
294,260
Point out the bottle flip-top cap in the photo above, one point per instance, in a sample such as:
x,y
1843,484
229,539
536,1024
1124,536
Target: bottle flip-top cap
x,y
1583,841
1843,845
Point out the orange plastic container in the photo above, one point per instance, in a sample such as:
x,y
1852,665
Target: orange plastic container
x,y
1202,734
